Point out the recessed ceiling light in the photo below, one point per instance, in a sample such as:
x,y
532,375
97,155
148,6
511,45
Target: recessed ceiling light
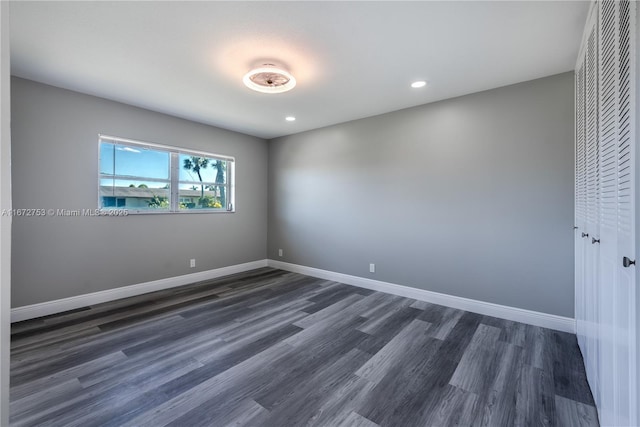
x,y
419,83
290,119
269,79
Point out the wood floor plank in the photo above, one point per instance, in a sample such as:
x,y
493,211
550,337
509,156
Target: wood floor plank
x,y
539,348
234,384
378,304
303,364
511,332
25,352
478,363
456,407
256,328
46,396
570,378
422,305
446,323
497,403
535,399
456,342
49,381
377,323
380,364
356,420
227,361
113,375
43,362
402,394
82,322
342,402
304,400
382,334
575,414
95,405
275,348
215,413
324,331
327,311
330,298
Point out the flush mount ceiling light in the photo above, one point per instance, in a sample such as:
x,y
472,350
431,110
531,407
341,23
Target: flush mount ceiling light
x,y
269,79
290,119
419,83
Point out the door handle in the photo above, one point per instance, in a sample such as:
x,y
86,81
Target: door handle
x,y
627,262
594,240
585,234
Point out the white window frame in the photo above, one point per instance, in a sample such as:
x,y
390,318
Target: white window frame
x,y
174,177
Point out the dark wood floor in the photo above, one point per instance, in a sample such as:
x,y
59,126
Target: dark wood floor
x,y
272,348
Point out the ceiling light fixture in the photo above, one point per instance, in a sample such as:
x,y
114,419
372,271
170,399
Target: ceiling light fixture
x,y
419,83
290,119
269,79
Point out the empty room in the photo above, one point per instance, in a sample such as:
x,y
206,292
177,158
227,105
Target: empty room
x,y
331,213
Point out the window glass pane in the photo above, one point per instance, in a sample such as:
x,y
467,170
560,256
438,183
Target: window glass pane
x,y
210,169
221,172
220,192
106,158
142,162
108,202
134,194
200,197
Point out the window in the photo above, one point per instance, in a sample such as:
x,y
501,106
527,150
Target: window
x,y
150,178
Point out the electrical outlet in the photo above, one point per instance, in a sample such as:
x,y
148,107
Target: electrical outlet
x,y
372,268
192,263
280,252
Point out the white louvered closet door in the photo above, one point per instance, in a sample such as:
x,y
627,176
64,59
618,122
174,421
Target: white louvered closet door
x,y
588,198
625,320
592,208
606,138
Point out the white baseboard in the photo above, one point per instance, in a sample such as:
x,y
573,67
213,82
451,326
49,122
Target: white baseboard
x,y
504,312
535,318
58,306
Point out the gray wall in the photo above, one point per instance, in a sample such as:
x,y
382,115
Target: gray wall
x,y
471,196
55,165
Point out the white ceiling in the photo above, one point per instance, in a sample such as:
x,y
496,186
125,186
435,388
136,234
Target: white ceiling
x,y
351,59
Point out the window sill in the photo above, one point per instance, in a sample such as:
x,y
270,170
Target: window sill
x,y
127,212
